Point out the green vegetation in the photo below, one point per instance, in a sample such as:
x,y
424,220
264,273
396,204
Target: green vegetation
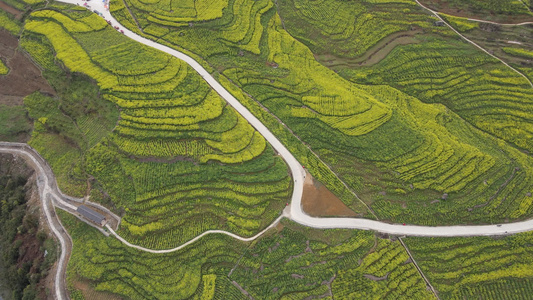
x,y
13,122
412,162
22,241
344,29
461,24
3,68
394,276
9,23
289,263
469,268
519,52
179,160
509,43
431,132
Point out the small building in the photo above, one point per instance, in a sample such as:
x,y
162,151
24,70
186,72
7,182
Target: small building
x,y
91,215
439,23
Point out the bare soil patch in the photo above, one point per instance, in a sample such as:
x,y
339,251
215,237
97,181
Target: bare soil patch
x,y
24,76
375,278
318,201
15,12
89,292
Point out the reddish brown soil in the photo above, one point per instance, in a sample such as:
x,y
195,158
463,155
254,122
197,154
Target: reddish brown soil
x,y
90,293
444,7
15,12
318,201
23,78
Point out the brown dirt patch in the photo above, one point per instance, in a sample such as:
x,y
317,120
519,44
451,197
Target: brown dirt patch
x,y
318,201
23,78
90,293
15,12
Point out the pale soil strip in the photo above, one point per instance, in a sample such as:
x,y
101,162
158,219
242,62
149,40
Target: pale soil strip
x,y
418,268
496,23
436,14
309,148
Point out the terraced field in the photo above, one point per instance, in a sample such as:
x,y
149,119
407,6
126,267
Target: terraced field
x,y
482,267
512,11
289,263
425,128
411,161
8,22
513,44
179,160
341,32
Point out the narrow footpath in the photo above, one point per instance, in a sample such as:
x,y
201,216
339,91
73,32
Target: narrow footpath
x,y
48,186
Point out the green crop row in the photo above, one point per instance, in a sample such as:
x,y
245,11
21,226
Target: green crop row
x,y
518,52
485,93
347,30
7,22
288,263
467,268
409,150
386,273
461,24
179,160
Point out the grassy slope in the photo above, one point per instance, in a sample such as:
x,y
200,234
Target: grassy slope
x,y
435,69
513,44
492,10
399,159
179,160
482,267
289,263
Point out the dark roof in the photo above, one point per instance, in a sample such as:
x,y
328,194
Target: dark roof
x,y
90,214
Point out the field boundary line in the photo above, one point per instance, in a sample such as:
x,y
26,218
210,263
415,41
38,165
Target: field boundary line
x,y
495,23
191,241
436,14
418,268
305,144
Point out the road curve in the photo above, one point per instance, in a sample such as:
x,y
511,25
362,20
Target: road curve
x,y
50,197
196,238
48,187
46,192
295,209
295,212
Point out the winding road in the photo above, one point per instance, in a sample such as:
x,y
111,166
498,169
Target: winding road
x,y
295,211
48,186
51,197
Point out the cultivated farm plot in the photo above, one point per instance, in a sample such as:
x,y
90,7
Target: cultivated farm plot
x,y
179,160
408,133
423,163
291,262
468,268
510,11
